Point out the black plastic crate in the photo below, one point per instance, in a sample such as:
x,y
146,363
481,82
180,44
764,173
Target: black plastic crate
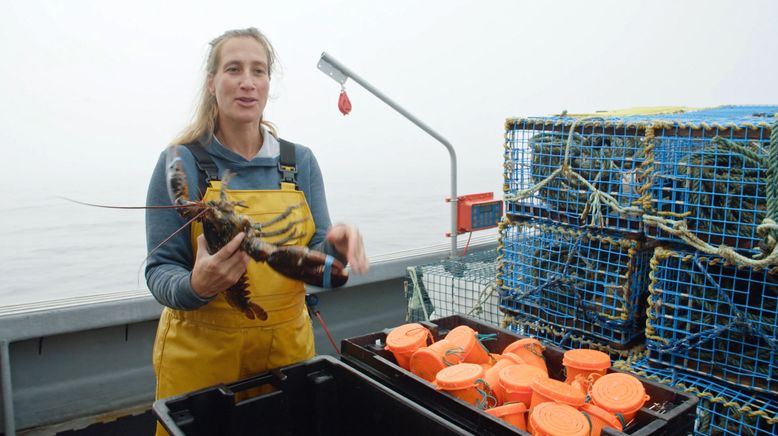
x,y
367,354
321,396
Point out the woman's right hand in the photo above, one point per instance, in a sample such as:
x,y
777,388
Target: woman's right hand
x,y
214,273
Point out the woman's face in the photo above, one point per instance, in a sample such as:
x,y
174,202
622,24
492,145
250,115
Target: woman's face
x,y
241,82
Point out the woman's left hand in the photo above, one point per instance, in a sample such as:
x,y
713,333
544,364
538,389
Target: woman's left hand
x,y
348,241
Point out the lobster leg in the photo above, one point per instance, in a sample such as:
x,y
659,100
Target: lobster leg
x,y
279,217
266,234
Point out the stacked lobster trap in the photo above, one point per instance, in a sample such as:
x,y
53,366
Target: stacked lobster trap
x,y
651,235
574,264
572,280
721,409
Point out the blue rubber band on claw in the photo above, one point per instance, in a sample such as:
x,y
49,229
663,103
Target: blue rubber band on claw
x,y
326,282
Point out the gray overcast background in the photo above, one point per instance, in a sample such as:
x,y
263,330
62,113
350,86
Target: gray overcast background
x,y
92,91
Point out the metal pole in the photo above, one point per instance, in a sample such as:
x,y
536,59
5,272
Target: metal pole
x,y
340,73
8,397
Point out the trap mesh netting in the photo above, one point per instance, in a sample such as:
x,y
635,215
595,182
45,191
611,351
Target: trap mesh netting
x,y
721,410
456,286
693,173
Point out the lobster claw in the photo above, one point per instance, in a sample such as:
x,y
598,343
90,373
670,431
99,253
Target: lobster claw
x,y
312,267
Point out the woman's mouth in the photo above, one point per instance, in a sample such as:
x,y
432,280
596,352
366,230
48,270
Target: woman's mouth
x,y
246,101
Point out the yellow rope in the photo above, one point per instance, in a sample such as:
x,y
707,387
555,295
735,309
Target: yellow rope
x,y
654,293
681,230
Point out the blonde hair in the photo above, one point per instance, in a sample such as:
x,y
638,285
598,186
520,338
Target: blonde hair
x,y
207,114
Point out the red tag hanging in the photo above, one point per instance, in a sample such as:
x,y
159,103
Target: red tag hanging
x,y
344,104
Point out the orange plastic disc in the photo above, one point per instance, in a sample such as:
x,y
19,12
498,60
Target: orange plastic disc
x,y
558,391
512,357
619,393
520,377
426,363
467,338
459,376
530,350
524,343
556,419
462,335
407,338
591,360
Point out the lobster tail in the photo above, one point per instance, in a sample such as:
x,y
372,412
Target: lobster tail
x,y
238,297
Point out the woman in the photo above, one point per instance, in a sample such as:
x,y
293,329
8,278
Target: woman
x,y
201,340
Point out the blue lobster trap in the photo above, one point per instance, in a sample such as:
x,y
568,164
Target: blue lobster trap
x,y
721,409
585,282
567,170
712,175
714,319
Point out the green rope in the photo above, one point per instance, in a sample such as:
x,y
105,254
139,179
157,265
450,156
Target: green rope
x,y
458,352
730,171
589,420
487,399
486,337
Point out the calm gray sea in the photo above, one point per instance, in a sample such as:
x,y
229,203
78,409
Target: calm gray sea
x,y
53,249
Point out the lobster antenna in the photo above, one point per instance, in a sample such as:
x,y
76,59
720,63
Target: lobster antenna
x,y
179,230
172,206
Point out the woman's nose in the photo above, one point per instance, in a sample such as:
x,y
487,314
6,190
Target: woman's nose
x,y
247,82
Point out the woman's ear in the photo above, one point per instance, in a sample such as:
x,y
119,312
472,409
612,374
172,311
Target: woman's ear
x,y
210,86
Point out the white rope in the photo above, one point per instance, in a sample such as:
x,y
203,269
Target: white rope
x,y
416,295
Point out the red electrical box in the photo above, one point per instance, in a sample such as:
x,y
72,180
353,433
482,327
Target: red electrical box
x,y
477,212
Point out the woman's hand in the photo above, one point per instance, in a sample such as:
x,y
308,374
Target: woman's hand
x,y
348,242
217,272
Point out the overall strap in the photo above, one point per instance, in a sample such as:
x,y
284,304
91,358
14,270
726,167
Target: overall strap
x,y
287,165
208,171
206,167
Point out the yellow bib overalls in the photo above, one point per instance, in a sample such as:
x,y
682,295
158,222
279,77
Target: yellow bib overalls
x,y
218,344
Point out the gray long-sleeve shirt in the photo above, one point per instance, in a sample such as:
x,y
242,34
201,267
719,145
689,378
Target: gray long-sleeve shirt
x,y
168,269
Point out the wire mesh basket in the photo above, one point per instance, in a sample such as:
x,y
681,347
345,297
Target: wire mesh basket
x,y
714,319
456,286
676,175
714,175
601,157
721,409
590,283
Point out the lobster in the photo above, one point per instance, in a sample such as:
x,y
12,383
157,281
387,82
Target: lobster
x,y
221,222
